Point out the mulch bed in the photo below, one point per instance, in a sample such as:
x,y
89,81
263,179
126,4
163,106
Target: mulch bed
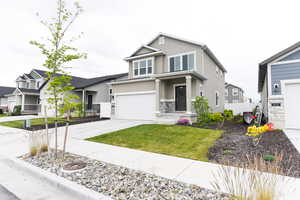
x,y
73,121
236,148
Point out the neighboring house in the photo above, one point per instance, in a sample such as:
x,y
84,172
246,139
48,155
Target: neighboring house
x,y
164,78
91,92
279,86
233,94
26,93
4,91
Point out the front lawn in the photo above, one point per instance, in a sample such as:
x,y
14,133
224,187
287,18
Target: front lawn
x,y
181,141
3,115
34,122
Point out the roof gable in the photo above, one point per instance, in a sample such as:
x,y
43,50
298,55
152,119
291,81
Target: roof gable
x,y
144,49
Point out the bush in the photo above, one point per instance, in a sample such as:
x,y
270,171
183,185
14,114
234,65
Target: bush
x,y
228,114
202,110
17,110
268,157
217,117
1,111
227,152
184,122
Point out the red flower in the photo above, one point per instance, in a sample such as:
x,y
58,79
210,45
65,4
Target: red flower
x,y
253,117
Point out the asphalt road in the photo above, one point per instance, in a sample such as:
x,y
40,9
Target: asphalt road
x,y
7,195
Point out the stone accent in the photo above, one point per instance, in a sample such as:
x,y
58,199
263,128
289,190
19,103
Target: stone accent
x,y
167,107
276,113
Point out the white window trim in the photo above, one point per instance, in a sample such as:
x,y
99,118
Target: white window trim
x,y
182,54
138,61
237,92
217,93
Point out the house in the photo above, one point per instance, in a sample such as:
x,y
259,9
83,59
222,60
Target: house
x,y
26,92
4,91
165,76
233,94
91,92
279,86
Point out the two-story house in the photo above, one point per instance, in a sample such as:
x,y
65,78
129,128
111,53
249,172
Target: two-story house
x,y
165,76
26,93
233,94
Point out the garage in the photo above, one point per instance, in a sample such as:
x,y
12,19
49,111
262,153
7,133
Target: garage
x,y
292,106
139,106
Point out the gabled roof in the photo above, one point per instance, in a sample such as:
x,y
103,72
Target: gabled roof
x,y
6,90
28,76
264,64
42,73
80,83
201,45
145,46
229,84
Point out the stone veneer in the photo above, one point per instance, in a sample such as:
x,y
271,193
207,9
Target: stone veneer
x,y
276,113
167,107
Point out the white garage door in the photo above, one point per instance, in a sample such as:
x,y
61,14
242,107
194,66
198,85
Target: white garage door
x,y
292,105
135,106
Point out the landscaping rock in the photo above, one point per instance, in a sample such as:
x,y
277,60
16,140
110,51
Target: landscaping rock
x,y
123,183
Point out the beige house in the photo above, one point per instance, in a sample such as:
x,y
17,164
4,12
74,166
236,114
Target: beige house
x,y
164,78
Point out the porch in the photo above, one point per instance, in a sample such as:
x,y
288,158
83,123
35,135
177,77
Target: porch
x,y
88,98
29,103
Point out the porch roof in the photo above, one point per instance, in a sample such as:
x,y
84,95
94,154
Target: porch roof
x,y
179,74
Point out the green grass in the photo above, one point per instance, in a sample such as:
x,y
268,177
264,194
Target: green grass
x,y
19,123
181,141
3,115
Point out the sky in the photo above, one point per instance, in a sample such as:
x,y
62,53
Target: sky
x,y
240,33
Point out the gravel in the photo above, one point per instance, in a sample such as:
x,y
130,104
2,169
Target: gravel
x,y
123,183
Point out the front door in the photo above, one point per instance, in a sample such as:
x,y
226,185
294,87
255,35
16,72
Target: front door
x,y
180,98
89,102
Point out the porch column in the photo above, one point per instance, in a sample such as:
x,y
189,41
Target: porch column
x,y
23,102
157,89
83,102
188,80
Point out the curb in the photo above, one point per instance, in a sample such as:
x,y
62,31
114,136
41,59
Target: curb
x,y
76,190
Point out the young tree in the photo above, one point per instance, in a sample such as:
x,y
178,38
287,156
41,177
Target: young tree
x,y
58,52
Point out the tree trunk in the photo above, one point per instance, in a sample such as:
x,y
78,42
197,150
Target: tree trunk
x,y
47,131
66,135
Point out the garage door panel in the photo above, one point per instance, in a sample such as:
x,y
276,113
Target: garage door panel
x,y
292,106
136,106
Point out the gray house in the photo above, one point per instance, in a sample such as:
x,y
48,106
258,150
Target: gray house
x,y
4,92
91,92
165,76
233,94
279,86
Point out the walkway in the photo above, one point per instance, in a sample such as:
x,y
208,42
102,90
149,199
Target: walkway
x,y
294,136
22,117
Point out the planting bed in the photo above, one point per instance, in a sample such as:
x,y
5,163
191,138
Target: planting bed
x,y
122,183
73,121
235,147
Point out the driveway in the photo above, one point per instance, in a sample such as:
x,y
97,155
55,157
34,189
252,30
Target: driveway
x,y
294,136
22,117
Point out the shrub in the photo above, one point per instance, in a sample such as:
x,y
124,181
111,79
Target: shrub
x,y
202,110
228,114
227,152
17,110
268,157
217,117
184,122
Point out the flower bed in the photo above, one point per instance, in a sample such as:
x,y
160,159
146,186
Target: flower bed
x,y
123,183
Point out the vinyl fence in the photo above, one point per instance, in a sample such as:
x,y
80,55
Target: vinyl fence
x,y
239,108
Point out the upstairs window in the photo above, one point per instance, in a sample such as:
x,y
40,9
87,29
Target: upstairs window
x,y
37,85
217,98
235,92
143,67
182,62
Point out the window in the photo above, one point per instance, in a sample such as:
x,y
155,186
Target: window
x,y
182,62
226,92
235,92
111,96
217,98
143,67
38,85
217,71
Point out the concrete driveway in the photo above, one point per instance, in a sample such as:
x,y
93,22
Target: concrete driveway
x,y
15,118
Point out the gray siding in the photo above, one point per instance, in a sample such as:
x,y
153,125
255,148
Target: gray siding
x,y
293,56
230,98
283,72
